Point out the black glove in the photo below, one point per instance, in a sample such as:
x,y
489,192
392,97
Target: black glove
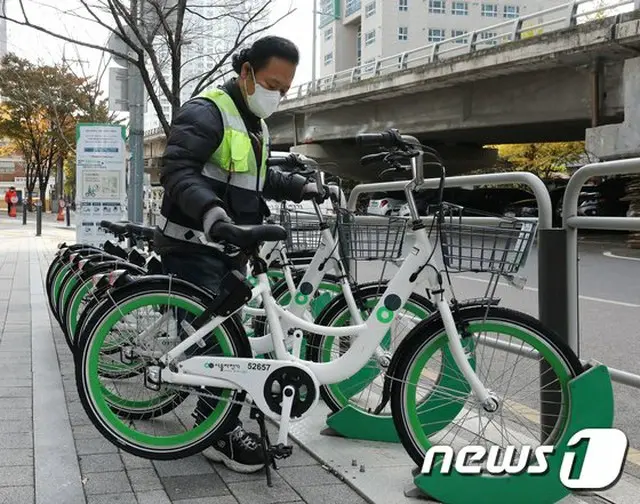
x,y
310,192
212,216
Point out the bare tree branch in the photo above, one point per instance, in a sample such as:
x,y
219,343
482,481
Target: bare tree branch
x,y
159,37
207,79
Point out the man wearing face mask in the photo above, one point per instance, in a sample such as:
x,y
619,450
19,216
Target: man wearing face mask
x,y
214,169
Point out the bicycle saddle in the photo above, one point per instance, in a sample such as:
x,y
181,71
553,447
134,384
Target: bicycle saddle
x,y
246,237
138,230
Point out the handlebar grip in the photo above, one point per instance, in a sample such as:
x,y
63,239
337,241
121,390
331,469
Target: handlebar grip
x,y
370,139
280,161
389,138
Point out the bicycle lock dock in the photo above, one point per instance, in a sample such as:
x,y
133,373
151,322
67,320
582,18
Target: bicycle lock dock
x,y
379,471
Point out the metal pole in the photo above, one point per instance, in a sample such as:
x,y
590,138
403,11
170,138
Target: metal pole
x,y
569,211
553,306
68,210
39,218
136,136
60,180
314,46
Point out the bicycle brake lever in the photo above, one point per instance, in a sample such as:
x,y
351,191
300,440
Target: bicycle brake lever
x,y
387,170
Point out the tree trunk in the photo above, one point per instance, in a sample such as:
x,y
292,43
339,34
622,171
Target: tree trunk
x,y
43,195
30,201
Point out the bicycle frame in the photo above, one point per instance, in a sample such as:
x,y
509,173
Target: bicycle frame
x,y
250,373
312,278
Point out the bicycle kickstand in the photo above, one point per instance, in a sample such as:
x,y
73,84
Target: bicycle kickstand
x,y
258,416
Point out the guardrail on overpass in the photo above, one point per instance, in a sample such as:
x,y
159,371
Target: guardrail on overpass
x,y
555,18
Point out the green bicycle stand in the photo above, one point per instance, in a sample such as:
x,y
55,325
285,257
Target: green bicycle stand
x,y
355,423
456,488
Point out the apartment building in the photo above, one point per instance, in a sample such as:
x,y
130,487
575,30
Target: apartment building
x,y
357,32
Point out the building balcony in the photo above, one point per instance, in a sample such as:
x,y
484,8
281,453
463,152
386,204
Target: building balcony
x,y
352,11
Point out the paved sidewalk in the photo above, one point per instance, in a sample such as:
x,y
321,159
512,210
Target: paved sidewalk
x,y
50,453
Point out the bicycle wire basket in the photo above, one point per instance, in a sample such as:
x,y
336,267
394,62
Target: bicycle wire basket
x,y
500,247
371,239
303,230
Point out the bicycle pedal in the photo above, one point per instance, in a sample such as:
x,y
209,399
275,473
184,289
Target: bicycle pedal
x,y
152,378
126,355
280,451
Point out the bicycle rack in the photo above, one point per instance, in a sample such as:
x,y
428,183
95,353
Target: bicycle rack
x,y
591,387
353,423
455,488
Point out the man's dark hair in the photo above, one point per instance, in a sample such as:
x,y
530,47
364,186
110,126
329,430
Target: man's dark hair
x,y
262,50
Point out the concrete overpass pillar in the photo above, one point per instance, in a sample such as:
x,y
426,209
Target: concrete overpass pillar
x,y
617,141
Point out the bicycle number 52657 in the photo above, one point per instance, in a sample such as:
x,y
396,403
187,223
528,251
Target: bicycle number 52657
x,y
255,366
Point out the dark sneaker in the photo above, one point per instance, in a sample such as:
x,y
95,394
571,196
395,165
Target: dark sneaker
x,y
239,450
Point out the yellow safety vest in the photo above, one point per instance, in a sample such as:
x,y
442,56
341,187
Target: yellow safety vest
x,y
234,161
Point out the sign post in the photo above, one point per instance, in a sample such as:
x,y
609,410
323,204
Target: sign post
x,y
100,179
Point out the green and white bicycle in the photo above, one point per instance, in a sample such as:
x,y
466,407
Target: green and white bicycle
x,y
437,383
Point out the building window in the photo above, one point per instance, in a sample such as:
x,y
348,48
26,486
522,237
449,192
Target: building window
x,y
403,33
489,37
370,38
328,34
403,5
436,6
351,7
489,10
436,35
459,33
327,9
328,58
511,11
359,46
369,9
460,8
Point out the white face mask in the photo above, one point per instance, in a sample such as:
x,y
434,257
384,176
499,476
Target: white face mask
x,y
263,102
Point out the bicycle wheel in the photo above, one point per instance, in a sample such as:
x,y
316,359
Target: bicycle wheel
x,y
69,279
520,339
364,390
170,430
57,259
57,273
80,292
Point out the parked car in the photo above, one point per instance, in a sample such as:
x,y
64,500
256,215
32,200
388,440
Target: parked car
x,y
384,204
523,208
589,203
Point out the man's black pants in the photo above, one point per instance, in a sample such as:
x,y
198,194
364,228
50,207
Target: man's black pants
x,y
203,270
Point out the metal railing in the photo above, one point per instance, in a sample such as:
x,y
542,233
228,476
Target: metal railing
x,y
529,25
572,222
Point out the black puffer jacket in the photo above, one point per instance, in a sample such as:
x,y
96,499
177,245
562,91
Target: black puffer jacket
x,y
196,132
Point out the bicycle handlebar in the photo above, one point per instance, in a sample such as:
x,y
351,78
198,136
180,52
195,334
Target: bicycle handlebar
x,y
114,228
137,230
